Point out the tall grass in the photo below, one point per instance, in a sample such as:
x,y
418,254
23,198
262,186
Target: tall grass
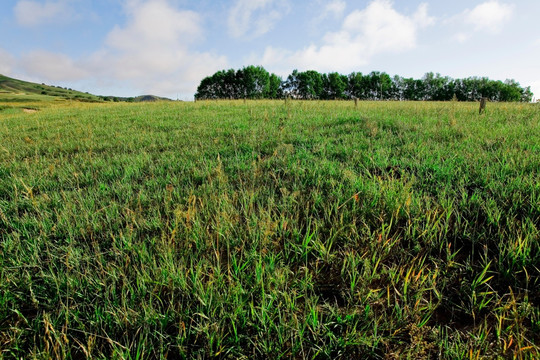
x,y
270,230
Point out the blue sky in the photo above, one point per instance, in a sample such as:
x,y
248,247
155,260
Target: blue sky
x,y
165,47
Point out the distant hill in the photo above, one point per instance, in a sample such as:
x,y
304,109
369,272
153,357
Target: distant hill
x,y
19,87
10,86
144,98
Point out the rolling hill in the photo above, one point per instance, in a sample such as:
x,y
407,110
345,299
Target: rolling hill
x,y
14,90
10,86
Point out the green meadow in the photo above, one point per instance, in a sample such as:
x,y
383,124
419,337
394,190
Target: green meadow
x,y
269,230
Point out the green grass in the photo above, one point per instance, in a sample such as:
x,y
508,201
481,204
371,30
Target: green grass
x,y
270,230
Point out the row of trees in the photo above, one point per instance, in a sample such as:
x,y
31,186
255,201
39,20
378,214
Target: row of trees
x,y
254,82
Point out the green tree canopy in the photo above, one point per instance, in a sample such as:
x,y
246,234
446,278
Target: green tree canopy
x,y
254,82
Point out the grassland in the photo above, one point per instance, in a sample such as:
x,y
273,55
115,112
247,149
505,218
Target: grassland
x,y
270,230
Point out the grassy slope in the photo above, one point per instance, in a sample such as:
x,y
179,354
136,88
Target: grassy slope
x,y
149,98
270,230
18,91
12,89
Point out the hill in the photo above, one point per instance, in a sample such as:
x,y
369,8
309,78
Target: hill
x,y
151,98
14,90
10,86
141,98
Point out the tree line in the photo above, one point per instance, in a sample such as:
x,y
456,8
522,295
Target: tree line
x,y
254,82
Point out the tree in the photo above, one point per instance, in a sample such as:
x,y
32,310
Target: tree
x,y
436,87
355,84
511,91
526,94
334,86
254,82
310,85
275,90
290,86
378,86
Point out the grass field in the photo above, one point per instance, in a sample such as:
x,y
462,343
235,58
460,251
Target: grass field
x,y
395,230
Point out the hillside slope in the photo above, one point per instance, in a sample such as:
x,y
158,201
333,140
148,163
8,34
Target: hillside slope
x,y
12,86
14,90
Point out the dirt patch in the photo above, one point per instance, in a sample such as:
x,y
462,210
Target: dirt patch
x,y
29,111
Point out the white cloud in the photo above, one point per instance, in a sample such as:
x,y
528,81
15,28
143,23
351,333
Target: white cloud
x,y
7,62
51,66
334,8
378,28
154,50
35,13
255,17
489,16
421,17
152,53
461,37
329,9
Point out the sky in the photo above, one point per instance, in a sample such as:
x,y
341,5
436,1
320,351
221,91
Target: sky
x,y
166,47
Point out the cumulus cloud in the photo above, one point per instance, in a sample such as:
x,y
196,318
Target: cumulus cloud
x,y
155,40
154,49
35,13
255,17
153,52
489,16
334,8
51,66
461,37
379,28
7,61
